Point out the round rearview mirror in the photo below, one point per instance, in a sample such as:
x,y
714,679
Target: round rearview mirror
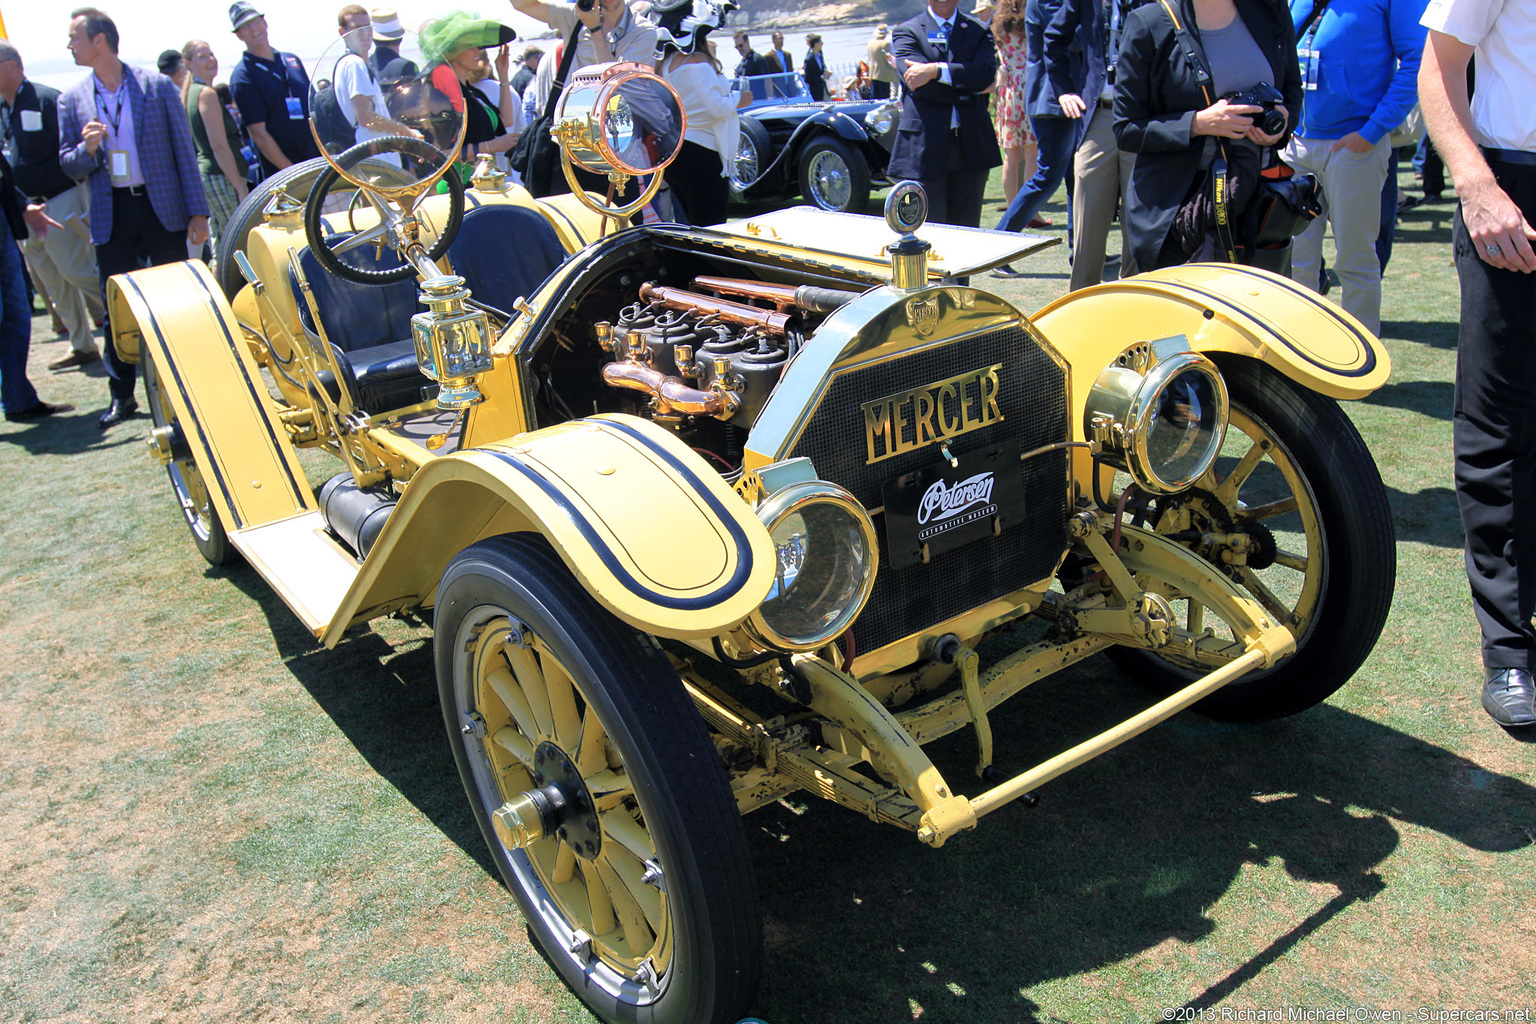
x,y
620,118
393,130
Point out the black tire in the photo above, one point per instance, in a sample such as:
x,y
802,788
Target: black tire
x,y
834,175
187,480
296,180
754,152
1340,604
675,794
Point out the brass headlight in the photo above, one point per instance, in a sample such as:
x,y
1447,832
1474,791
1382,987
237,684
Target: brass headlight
x,y
1164,427
827,553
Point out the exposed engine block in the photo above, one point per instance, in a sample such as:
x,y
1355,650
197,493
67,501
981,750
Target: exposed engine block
x,y
707,365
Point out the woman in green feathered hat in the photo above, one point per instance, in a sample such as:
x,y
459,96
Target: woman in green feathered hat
x,y
455,43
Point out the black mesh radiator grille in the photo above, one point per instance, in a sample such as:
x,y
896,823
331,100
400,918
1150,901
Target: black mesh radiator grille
x,y
1033,401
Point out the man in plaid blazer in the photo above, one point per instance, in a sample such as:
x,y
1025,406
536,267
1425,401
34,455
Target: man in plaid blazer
x,y
125,132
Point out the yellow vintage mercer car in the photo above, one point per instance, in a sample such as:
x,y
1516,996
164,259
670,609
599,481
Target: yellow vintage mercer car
x,y
703,517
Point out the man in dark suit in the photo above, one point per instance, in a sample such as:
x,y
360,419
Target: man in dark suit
x,y
124,131
17,397
945,139
753,65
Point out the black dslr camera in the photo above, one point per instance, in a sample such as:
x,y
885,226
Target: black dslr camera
x,y
585,5
1269,121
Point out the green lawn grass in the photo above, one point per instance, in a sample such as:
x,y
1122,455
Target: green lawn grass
x,y
205,817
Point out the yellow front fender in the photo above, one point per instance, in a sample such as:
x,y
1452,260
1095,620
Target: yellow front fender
x,y
1220,308
644,523
177,316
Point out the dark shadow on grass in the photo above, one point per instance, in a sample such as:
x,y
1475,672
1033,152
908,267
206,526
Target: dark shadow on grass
x,y
1428,397
1430,224
384,700
70,434
1434,333
1122,855
1430,516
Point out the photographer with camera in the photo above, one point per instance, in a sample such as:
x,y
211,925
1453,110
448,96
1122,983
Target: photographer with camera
x,y
1360,63
1176,58
591,32
603,30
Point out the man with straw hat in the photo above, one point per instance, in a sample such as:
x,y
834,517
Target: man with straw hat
x,y
386,60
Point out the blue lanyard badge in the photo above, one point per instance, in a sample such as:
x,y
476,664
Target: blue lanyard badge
x,y
295,108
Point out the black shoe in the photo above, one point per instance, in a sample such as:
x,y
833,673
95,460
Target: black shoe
x,y
1006,271
1509,696
38,411
120,409
75,359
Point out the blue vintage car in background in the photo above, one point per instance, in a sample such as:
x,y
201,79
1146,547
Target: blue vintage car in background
x,y
831,152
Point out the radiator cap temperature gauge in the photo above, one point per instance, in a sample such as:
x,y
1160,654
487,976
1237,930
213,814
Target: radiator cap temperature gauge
x,y
906,210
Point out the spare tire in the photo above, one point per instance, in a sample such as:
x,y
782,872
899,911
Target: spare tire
x,y
295,179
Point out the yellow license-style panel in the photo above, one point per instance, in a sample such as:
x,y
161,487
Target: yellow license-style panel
x,y
643,522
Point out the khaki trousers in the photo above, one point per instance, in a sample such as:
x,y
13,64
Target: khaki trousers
x,y
1101,175
63,262
1352,206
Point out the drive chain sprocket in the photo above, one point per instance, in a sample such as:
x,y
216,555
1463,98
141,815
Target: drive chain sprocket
x,y
1207,514
1262,553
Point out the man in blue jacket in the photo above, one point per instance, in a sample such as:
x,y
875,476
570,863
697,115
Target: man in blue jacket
x,y
1359,67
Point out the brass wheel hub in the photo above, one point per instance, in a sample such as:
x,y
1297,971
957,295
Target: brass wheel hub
x,y
561,806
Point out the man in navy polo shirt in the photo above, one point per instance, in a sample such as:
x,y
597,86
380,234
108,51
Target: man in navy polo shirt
x,y
272,91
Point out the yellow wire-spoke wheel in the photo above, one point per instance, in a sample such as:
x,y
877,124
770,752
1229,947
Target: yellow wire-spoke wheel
x,y
187,483
1296,478
629,860
595,864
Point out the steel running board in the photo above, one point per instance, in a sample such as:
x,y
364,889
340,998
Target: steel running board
x,y
303,563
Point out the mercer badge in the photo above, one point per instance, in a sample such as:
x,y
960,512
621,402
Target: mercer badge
x,y
923,315
933,413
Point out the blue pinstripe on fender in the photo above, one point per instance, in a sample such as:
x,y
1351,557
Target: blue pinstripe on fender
x,y
605,553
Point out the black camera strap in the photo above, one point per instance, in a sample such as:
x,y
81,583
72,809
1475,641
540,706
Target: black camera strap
x,y
1220,186
566,58
1318,7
